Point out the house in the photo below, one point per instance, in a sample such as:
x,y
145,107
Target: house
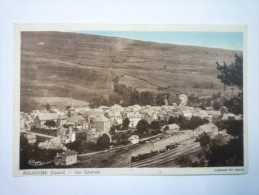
x,y
66,135
104,108
114,117
101,124
134,139
136,108
61,120
208,128
168,113
52,144
187,115
134,118
25,125
116,107
169,129
66,158
184,99
228,116
92,114
150,116
92,135
53,110
98,121
31,138
161,116
40,120
214,114
71,111
203,114
77,121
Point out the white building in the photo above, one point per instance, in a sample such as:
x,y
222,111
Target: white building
x,y
66,135
208,128
134,118
134,139
66,158
171,128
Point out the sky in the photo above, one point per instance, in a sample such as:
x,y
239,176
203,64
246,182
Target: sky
x,y
225,40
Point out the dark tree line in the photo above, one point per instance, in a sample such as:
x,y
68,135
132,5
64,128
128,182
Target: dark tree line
x,y
232,153
232,75
81,145
33,152
185,123
128,96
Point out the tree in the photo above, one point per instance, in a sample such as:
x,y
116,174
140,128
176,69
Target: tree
x,y
29,152
48,107
155,125
232,74
204,139
146,98
112,130
134,97
235,104
172,120
98,101
103,141
160,99
114,98
142,126
216,105
232,153
184,161
50,123
234,127
126,123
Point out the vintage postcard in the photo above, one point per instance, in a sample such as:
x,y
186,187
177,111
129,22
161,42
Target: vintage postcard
x,y
99,99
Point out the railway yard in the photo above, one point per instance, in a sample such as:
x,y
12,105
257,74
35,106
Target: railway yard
x,y
123,157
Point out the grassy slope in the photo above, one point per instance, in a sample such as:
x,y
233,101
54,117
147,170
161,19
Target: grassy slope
x,y
58,64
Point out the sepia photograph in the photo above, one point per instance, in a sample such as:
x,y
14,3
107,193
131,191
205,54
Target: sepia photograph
x,y
129,99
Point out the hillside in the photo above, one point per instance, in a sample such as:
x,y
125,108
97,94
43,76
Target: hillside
x,y
61,64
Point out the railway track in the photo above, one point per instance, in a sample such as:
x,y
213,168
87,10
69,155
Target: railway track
x,y
166,157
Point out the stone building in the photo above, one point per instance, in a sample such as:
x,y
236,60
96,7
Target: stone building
x,y
66,158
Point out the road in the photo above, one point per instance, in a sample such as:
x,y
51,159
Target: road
x,y
38,134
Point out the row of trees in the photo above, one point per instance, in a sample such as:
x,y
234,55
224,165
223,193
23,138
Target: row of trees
x,y
128,96
185,123
81,145
216,101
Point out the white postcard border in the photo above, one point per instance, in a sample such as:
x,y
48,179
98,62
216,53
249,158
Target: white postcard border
x,y
120,171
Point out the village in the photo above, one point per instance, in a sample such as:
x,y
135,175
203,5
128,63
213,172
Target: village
x,y
141,132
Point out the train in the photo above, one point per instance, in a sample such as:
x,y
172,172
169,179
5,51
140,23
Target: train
x,y
143,156
140,157
171,146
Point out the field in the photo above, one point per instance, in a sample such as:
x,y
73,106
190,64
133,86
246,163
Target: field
x,y
60,64
33,103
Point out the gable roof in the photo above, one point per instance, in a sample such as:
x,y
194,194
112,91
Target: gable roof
x,y
100,118
207,127
69,152
133,137
171,126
